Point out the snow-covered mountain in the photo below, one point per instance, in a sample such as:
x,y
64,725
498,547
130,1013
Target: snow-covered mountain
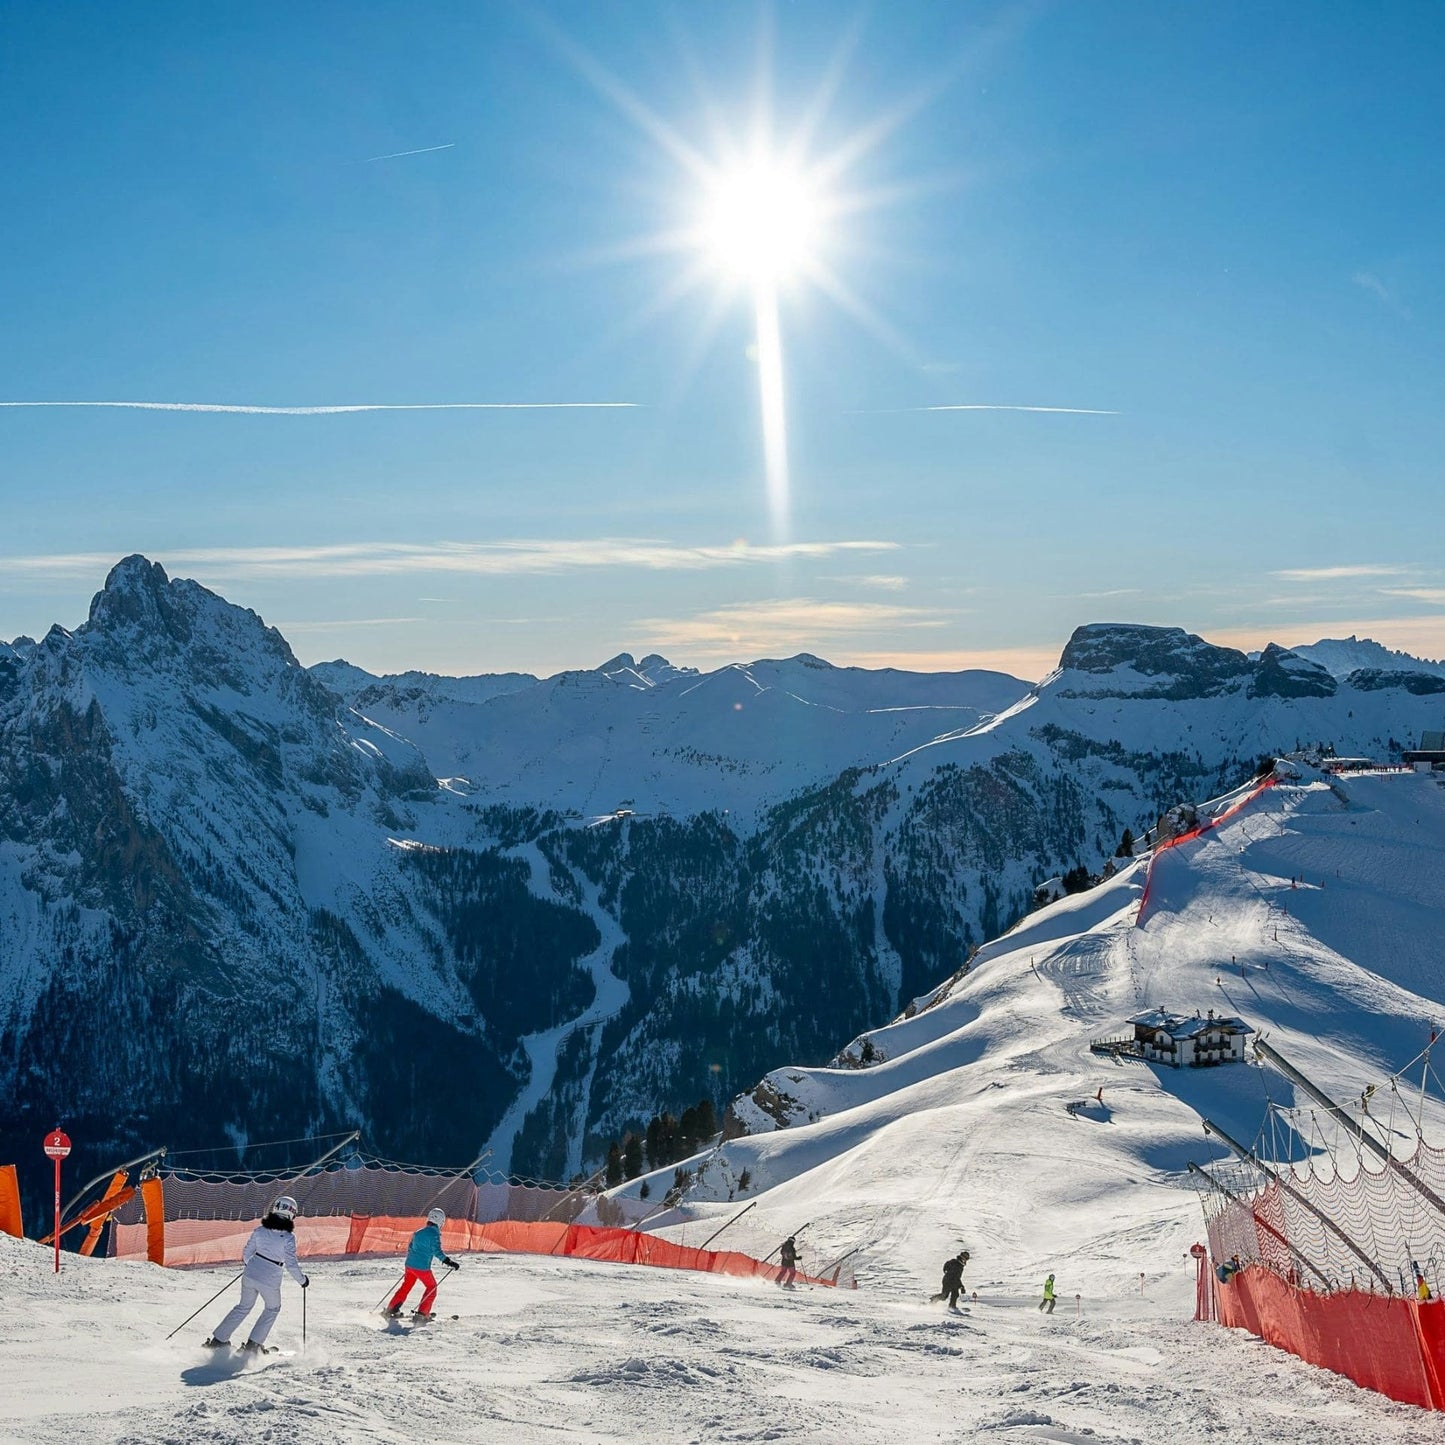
x,y
1314,913
974,1120
238,897
1342,656
653,738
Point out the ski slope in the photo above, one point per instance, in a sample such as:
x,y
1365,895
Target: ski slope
x,y
1312,911
561,1350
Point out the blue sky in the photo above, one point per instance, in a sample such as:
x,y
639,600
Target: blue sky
x,y
1224,224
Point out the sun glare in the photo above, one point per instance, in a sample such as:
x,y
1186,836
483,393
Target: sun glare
x,y
765,217
762,223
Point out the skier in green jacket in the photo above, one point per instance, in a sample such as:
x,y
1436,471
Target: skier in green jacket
x,y
1047,1303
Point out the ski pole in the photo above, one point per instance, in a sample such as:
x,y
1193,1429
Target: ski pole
x,y
210,1301
303,1319
391,1290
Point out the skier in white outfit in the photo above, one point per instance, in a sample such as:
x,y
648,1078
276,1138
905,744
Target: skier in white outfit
x,y
270,1249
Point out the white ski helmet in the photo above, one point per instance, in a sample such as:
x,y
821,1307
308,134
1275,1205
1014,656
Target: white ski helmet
x,y
436,1217
286,1207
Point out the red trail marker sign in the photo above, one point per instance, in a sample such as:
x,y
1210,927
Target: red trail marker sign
x,y
57,1146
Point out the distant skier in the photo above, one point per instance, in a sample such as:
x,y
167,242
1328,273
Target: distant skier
x,y
1227,1269
1047,1303
788,1258
270,1249
952,1279
1422,1289
425,1246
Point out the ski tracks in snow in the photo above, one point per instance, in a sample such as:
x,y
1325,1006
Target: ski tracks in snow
x,y
567,1350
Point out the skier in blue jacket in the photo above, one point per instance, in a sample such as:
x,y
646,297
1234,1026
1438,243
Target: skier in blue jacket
x,y
425,1246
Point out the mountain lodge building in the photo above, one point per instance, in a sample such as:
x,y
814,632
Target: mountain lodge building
x,y
1196,1042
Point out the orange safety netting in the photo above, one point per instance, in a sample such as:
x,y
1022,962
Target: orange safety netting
x,y
1197,832
220,1241
1388,1343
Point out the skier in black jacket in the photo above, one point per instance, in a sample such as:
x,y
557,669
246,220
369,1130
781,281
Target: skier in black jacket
x,y
952,1279
788,1258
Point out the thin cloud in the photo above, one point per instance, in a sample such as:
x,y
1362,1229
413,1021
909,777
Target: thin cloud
x,y
985,406
508,558
753,629
231,410
397,155
994,406
884,582
327,626
1368,281
1433,595
1335,574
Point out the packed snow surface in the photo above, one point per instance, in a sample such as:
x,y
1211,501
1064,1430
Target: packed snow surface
x,y
1313,912
549,1350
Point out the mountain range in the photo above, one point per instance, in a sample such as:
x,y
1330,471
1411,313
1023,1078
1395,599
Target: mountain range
x,y
241,899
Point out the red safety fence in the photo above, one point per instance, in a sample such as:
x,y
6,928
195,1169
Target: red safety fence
x,y
220,1241
1389,1343
1197,832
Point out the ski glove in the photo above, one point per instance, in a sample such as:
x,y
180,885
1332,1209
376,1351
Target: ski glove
x,y
452,1264
305,1280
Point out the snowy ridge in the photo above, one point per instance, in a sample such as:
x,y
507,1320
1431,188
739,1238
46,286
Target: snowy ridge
x,y
1342,656
1314,913
652,737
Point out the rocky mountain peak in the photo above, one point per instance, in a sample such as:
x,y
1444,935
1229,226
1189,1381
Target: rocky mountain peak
x,y
1164,661
1281,673
137,593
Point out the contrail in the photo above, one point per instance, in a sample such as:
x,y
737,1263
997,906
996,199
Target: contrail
x,y
397,155
338,410
988,406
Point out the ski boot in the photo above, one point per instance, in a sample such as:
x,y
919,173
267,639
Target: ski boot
x,y
422,1319
252,1348
212,1343
391,1314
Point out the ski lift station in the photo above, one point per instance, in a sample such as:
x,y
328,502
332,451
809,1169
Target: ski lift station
x,y
1193,1042
1430,754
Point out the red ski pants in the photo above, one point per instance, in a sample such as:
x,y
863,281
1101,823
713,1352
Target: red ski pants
x,y
429,1290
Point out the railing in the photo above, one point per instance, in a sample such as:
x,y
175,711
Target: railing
x,y
1126,1046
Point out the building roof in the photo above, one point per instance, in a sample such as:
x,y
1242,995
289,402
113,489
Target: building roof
x,y
1432,742
1180,1026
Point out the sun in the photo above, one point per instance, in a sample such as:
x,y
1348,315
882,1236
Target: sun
x,y
762,223
762,215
